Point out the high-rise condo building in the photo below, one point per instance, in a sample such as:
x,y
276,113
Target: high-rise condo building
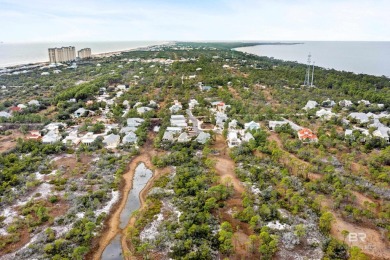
x,y
63,54
84,53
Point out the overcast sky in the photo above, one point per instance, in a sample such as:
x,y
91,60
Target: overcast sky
x,y
244,20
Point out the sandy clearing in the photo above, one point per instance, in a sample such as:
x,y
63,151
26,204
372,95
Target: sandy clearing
x,y
8,142
371,241
373,244
225,166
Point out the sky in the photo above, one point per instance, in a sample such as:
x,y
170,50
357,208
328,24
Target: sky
x,y
194,20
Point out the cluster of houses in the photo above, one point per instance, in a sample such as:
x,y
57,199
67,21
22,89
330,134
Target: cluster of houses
x,y
369,120
54,132
304,134
236,136
19,108
219,108
343,103
179,129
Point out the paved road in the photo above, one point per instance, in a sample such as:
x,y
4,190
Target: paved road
x,y
194,121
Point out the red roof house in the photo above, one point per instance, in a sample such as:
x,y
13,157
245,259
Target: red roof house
x,y
306,135
15,109
34,135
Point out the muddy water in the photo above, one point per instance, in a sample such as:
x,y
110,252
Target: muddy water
x,y
141,177
114,250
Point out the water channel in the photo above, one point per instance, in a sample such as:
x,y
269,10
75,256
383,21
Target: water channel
x,y
141,177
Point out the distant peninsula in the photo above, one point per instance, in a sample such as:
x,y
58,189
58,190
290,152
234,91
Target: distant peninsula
x,y
232,45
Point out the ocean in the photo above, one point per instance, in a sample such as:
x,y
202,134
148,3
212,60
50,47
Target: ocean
x,y
22,53
359,57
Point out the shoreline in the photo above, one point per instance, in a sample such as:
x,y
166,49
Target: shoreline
x,y
25,65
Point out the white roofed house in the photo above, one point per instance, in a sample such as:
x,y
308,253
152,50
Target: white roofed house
x,y
119,94
183,138
174,129
310,105
111,141
138,104
88,138
72,138
51,137
176,107
5,114
247,137
131,138
232,124
220,118
193,103
348,132
142,110
126,103
54,126
153,103
364,102
251,126
233,139
328,103
79,112
383,132
178,120
122,87
168,136
135,121
220,106
326,114
22,106
33,103
360,117
203,137
345,103
127,129
273,124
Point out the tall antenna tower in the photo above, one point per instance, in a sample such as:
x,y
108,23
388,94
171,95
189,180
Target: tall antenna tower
x,y
312,75
307,77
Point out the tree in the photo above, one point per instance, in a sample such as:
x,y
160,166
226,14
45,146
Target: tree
x,y
269,244
345,233
355,253
79,252
325,222
211,203
144,249
253,240
300,231
225,238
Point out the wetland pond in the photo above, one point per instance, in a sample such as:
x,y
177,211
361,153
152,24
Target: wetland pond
x,y
141,177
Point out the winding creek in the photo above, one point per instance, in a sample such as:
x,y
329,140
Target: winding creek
x,y
142,175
